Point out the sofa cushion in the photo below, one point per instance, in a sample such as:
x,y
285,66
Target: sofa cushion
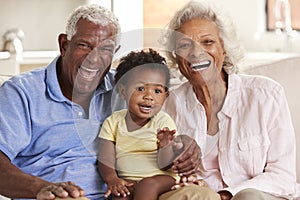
x,y
3,78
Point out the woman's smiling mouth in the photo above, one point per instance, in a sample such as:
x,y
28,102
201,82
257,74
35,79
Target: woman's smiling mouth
x,y
201,65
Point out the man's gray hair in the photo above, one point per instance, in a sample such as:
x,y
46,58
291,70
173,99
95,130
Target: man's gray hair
x,y
206,10
93,13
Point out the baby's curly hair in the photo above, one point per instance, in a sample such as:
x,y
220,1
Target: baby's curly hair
x,y
150,59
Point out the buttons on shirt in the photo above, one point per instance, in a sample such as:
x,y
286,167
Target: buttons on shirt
x,y
222,149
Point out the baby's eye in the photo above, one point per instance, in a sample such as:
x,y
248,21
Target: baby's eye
x,y
157,91
140,89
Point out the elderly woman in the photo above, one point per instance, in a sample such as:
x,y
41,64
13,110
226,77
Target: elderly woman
x,y
242,123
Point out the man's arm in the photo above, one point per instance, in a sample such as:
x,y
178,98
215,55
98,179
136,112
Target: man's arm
x,y
16,184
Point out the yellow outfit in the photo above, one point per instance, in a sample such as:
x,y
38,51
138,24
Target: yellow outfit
x,y
136,151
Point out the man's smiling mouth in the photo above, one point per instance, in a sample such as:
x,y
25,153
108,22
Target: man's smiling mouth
x,y
87,73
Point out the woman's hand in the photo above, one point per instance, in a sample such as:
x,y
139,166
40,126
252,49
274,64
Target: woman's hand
x,y
225,195
184,181
64,189
189,161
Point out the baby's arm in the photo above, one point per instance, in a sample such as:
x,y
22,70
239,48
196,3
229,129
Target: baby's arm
x,y
106,167
167,147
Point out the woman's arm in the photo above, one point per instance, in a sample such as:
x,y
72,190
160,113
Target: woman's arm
x,y
189,161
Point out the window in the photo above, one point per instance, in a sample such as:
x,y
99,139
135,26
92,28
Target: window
x,y
283,15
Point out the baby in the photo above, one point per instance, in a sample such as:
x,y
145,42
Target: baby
x,y
137,146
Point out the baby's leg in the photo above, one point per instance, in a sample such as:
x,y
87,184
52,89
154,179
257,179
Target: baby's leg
x,y
151,187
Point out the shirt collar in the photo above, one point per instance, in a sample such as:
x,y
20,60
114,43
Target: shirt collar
x,y
233,95
192,101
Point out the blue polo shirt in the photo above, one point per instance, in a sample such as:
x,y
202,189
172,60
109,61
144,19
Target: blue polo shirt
x,y
46,135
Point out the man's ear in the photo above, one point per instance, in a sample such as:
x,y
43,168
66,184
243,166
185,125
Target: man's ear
x,y
122,92
63,43
167,93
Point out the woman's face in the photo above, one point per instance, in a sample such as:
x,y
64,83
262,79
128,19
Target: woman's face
x,y
199,49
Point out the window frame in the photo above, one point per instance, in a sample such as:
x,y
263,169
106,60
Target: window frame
x,y
270,15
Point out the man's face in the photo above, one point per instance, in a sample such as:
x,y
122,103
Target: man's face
x,y
86,57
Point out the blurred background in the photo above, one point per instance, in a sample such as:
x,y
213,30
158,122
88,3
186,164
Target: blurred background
x,y
29,29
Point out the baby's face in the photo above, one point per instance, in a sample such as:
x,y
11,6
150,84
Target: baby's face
x,y
145,93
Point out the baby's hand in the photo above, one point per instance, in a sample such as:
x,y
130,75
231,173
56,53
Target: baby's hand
x,y
118,187
165,136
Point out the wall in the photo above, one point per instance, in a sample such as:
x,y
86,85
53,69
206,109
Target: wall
x,y
41,21
130,14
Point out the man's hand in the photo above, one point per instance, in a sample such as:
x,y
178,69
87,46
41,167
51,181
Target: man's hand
x,y
64,189
188,162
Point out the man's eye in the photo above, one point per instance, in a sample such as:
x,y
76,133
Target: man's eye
x,y
84,46
140,89
107,49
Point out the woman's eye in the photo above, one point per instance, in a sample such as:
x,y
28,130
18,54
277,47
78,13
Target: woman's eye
x,y
183,46
208,42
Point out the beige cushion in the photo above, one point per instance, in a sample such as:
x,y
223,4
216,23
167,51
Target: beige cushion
x,y
3,78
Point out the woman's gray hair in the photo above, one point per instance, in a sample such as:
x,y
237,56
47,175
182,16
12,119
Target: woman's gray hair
x,y
93,13
205,10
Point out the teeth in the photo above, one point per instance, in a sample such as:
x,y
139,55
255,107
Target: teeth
x,y
146,107
201,65
89,70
